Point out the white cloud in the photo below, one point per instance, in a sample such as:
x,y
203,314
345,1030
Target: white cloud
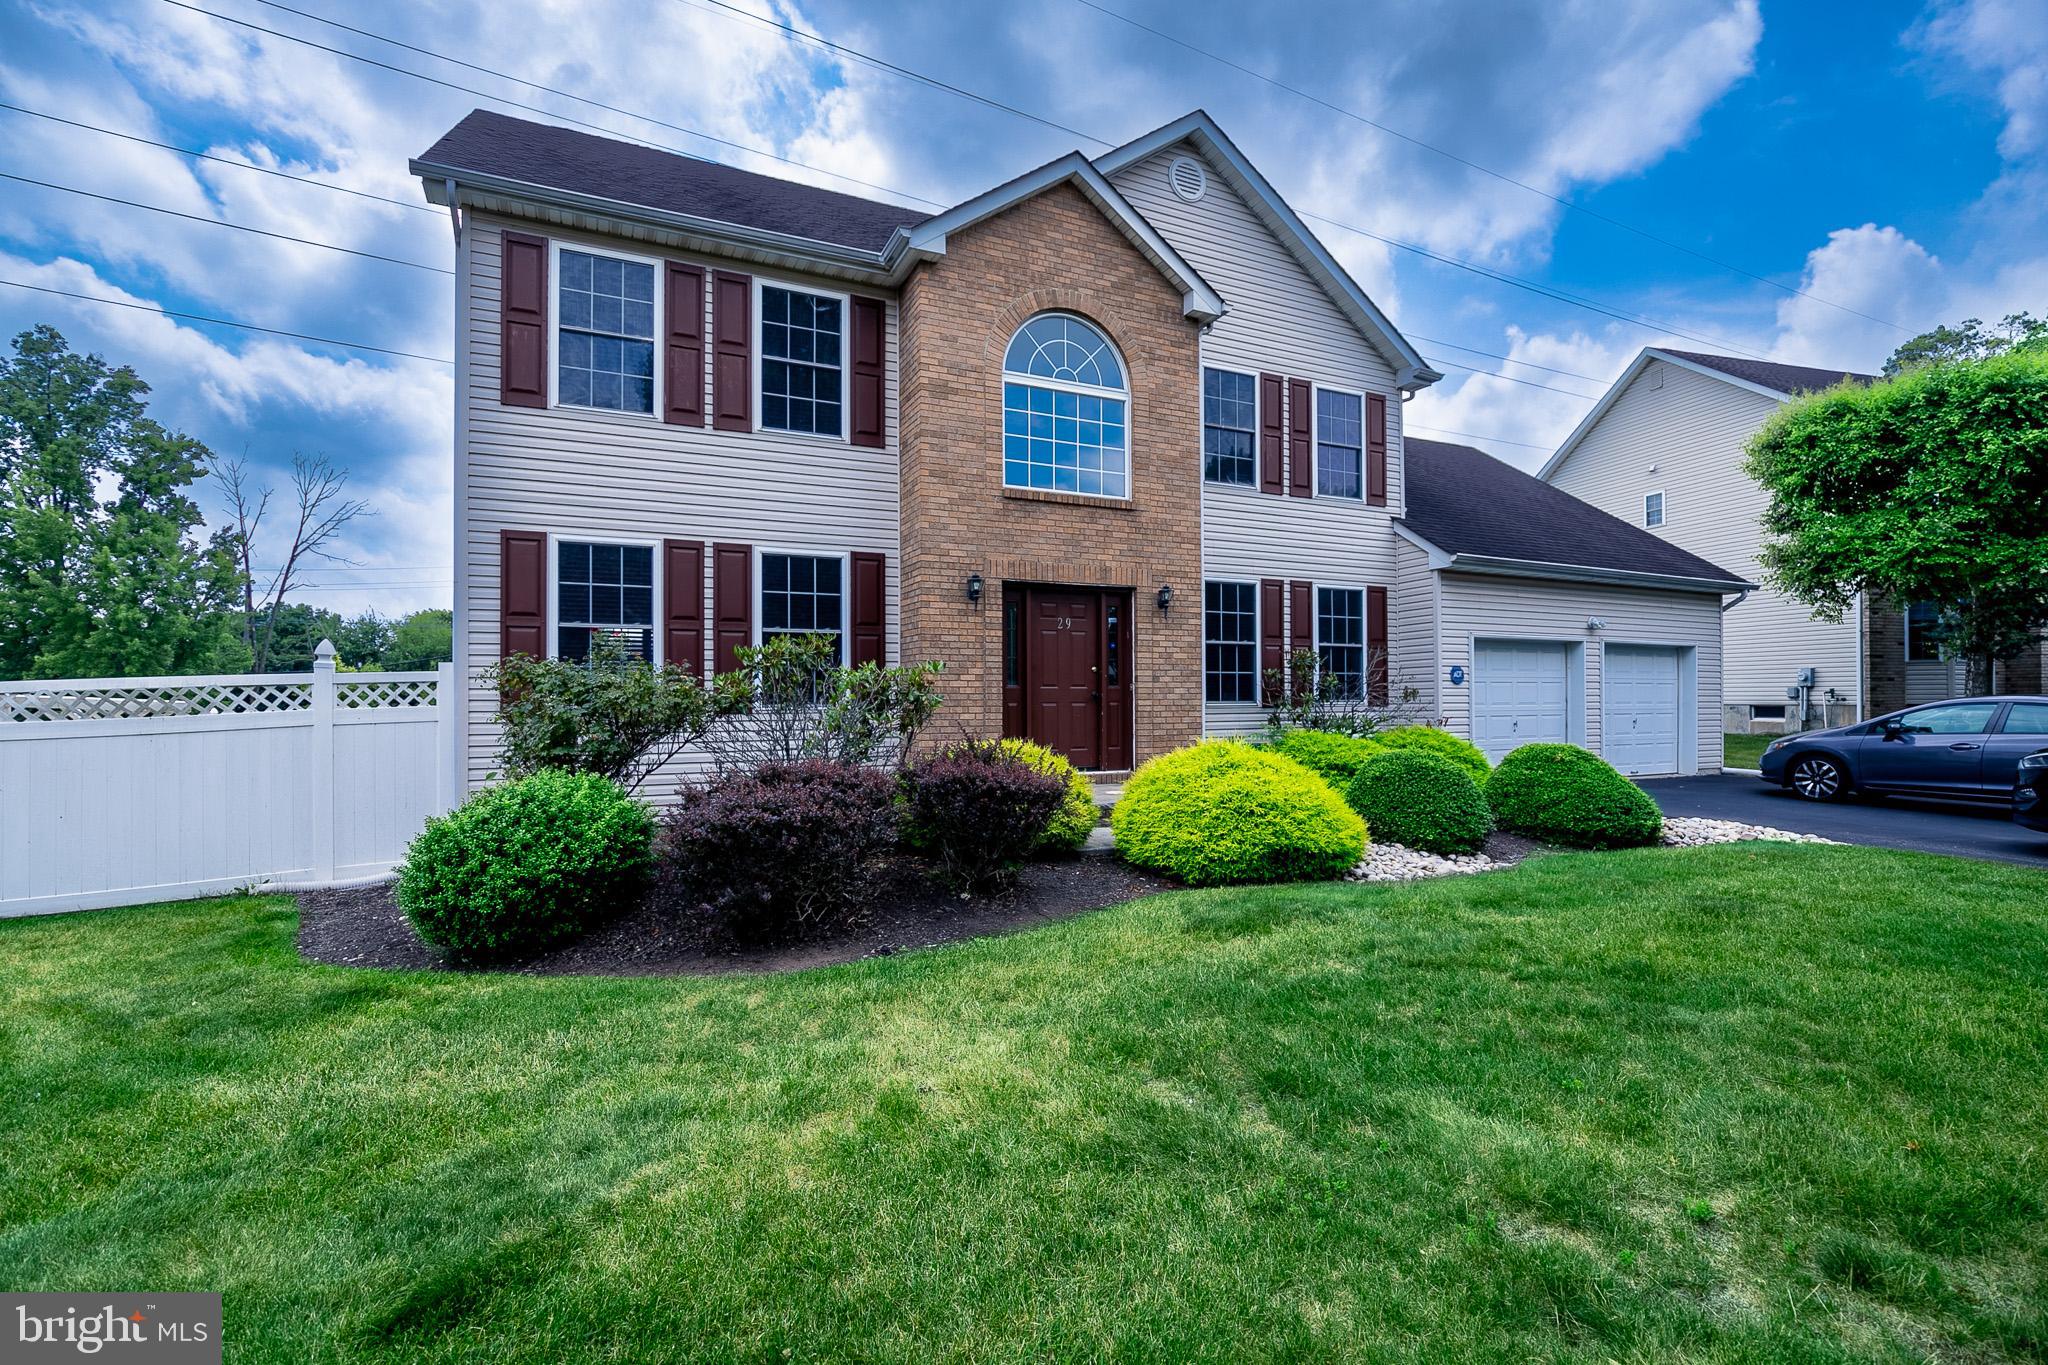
x,y
1877,271
2007,40
1488,406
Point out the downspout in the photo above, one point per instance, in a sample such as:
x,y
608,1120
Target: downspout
x,y
459,486
1740,598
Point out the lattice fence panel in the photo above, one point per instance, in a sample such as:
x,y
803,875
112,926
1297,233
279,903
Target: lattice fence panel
x,y
23,702
358,696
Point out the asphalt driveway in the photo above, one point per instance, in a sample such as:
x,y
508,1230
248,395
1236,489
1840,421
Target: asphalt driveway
x,y
1964,830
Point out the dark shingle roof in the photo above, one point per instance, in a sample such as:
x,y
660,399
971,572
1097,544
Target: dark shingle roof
x,y
559,158
1783,378
1463,501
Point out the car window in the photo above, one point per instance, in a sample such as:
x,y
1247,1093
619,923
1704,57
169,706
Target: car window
x,y
2026,718
1971,718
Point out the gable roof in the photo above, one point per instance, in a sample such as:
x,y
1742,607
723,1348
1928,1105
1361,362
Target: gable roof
x,y
543,156
1480,514
1411,371
1763,377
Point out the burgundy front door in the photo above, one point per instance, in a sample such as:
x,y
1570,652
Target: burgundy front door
x,y
1066,672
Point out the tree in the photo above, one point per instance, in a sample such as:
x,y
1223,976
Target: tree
x,y
102,568
1969,340
421,640
1931,487
321,514
364,641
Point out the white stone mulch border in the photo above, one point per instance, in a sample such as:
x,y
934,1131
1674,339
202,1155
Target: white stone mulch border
x,y
1397,863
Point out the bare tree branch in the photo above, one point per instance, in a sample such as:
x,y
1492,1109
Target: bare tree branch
x,y
323,512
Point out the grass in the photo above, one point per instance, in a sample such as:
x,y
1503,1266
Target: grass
x,y
1743,751
1734,1104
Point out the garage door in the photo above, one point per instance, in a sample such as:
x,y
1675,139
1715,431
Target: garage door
x,y
1518,694
1639,709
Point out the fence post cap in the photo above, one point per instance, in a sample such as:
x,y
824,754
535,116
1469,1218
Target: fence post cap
x,y
324,652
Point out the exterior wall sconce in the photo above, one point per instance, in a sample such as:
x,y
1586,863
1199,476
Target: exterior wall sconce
x,y
1595,623
974,587
1165,596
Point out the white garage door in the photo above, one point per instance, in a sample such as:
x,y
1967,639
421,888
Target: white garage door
x,y
1518,694
1639,709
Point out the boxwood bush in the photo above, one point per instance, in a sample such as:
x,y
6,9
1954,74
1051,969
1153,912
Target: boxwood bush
x,y
1564,795
1077,815
1333,757
1442,743
1421,799
526,864
1223,811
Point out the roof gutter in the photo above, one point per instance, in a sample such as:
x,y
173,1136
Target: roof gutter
x,y
1588,573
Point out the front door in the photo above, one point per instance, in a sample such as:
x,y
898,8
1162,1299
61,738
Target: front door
x,y
1066,672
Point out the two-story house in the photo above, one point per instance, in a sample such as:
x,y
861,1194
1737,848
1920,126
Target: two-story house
x,y
1664,448
1110,440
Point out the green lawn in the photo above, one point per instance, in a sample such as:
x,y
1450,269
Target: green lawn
x,y
1736,1104
1743,751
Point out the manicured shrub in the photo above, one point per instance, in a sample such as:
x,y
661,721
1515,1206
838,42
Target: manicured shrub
x,y
526,864
1565,795
1077,815
978,812
1420,799
783,852
1442,743
1333,757
1223,811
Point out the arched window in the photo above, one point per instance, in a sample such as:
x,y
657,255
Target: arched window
x,y
1064,408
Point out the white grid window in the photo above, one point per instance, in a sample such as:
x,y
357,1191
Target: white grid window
x,y
1653,509
1230,427
604,590
1230,641
1340,636
606,309
1064,410
800,361
802,595
1340,444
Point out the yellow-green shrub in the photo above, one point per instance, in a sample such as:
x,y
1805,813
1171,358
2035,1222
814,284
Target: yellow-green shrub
x,y
1442,743
1222,811
1077,815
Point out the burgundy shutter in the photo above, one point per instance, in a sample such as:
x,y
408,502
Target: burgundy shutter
x,y
869,409
682,376
732,603
523,322
1272,434
1301,625
522,594
732,351
682,586
1301,437
1376,646
870,614
1272,629
1376,450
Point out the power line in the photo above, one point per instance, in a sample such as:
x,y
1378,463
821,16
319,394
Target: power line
x,y
222,160
1517,379
227,322
222,222
1491,440
1495,355
533,108
1483,170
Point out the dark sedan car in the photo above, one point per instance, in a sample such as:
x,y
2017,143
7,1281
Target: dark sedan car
x,y
1970,749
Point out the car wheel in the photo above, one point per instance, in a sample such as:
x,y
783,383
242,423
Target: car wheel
x,y
1818,778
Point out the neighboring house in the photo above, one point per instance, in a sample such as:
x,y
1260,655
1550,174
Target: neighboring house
x,y
1663,449
1109,440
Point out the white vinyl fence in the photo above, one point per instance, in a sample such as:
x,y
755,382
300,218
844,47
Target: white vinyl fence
x,y
116,791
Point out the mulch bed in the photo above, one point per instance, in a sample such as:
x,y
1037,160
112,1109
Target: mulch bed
x,y
363,927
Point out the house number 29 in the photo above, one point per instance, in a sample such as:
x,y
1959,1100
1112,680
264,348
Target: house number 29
x,y
1065,623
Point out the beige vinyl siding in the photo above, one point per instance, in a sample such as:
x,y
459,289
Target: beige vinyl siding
x,y
1411,629
591,474
1280,321
1472,607
1691,428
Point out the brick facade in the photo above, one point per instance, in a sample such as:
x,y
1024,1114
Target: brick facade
x,y
1884,658
1054,251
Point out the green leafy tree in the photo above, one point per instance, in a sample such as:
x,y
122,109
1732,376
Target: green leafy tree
x,y
295,630
363,640
421,640
1969,340
103,570
1929,487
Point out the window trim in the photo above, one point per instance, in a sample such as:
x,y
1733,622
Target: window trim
x,y
1202,417
1315,445
1663,515
845,558
1005,376
555,248
761,359
1906,634
553,624
1315,608
1258,626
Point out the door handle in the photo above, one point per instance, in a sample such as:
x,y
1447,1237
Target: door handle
x,y
1965,746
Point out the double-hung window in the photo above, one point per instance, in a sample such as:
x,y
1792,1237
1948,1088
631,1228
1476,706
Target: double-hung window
x,y
603,590
1230,427
1340,637
804,595
1340,444
1923,622
1064,406
1653,509
605,335
1230,641
802,377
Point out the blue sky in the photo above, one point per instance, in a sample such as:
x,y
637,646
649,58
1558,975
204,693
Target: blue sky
x,y
1889,162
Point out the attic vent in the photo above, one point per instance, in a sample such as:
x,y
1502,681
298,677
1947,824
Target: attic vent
x,y
1189,180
